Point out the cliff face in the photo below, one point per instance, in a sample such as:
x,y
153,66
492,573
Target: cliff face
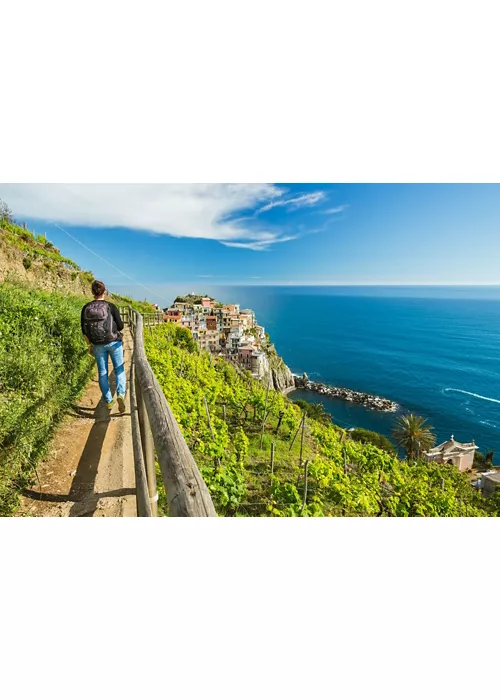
x,y
51,277
283,379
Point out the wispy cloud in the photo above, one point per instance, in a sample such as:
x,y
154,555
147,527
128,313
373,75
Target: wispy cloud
x,y
263,244
336,210
219,212
303,200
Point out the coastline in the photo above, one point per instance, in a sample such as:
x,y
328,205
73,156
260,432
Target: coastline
x,y
376,403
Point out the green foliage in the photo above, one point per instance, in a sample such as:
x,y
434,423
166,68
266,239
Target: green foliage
x,y
142,307
346,477
36,248
483,462
191,298
413,435
372,438
5,213
314,410
44,365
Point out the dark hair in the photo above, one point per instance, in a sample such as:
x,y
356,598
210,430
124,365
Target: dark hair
x,y
98,288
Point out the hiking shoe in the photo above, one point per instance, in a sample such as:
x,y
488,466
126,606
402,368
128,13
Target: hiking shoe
x,y
121,403
110,405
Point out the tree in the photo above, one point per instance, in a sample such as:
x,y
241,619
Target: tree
x,y
413,434
5,212
373,438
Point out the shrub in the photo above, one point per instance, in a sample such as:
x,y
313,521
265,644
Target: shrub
x,y
372,438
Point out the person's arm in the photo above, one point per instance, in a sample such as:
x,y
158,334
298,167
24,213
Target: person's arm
x,y
116,315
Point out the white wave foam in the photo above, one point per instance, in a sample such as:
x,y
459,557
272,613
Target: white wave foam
x,y
470,393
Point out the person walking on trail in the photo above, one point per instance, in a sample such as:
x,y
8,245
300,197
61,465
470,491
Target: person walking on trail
x,y
101,326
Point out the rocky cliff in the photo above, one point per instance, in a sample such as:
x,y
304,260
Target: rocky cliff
x,y
283,379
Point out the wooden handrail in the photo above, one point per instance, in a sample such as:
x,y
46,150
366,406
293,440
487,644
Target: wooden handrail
x,y
187,493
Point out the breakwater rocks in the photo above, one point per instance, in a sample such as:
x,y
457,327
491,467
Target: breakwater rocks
x,y
334,392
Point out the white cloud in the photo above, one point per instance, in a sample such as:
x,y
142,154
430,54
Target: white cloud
x,y
336,210
262,244
303,200
185,211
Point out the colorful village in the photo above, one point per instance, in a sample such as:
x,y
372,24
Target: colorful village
x,y
223,329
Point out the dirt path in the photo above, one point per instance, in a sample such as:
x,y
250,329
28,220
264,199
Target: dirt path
x,y
89,471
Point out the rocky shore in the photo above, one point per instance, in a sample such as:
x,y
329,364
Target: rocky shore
x,y
368,400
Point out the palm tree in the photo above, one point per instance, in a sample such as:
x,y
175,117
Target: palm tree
x,y
413,435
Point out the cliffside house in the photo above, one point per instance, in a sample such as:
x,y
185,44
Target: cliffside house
x,y
211,322
206,302
245,356
247,317
259,364
173,315
460,454
234,338
208,340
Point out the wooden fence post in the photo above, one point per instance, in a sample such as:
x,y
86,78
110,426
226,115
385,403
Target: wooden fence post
x,y
148,450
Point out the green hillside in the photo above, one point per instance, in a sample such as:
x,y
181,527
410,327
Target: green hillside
x,y
345,477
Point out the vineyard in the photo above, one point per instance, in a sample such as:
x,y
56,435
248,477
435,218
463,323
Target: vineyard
x,y
260,455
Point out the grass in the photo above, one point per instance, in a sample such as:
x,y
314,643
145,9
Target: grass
x,y
34,246
44,367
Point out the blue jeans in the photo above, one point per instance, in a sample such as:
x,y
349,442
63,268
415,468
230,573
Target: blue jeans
x,y
101,354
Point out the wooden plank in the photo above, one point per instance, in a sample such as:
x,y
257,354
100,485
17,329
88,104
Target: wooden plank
x,y
141,484
187,493
148,451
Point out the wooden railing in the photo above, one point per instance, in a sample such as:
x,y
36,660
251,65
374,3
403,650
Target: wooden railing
x,y
154,428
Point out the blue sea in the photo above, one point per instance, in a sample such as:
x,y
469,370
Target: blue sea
x,y
433,350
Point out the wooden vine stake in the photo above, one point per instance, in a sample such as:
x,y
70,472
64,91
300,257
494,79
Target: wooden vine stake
x,y
306,465
297,432
302,439
345,460
224,412
281,414
217,459
265,413
273,447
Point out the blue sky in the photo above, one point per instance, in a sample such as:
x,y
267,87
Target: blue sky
x,y
196,235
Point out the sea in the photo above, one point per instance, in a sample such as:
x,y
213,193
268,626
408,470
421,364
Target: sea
x,y
433,350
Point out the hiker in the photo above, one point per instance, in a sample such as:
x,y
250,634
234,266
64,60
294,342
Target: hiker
x,y
101,326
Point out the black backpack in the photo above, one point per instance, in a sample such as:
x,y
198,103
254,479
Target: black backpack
x,y
99,324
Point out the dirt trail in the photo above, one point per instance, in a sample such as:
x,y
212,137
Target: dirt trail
x,y
89,471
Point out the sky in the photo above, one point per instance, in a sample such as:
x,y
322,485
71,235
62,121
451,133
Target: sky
x,y
274,233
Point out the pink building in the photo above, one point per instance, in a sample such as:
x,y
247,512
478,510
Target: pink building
x,y
206,302
245,356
